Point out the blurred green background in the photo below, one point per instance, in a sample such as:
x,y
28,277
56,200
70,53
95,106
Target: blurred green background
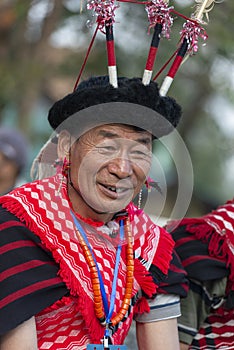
x,y
42,47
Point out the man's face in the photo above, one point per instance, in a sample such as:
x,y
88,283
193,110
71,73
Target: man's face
x,y
109,165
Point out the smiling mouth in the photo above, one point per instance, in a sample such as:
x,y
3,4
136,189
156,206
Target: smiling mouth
x,y
117,189
114,190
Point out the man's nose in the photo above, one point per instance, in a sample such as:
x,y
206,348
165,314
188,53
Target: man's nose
x,y
121,167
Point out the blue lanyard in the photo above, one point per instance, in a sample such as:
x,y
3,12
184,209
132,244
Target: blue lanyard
x,y
108,310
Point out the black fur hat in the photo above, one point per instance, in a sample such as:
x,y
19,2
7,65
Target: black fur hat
x,y
128,97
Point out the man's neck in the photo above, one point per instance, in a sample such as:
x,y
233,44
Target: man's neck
x,y
84,210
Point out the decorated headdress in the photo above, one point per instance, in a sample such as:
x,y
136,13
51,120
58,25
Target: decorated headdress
x,y
135,101
142,92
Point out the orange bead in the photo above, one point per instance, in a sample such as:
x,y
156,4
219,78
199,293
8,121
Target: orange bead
x,y
116,320
125,306
98,307
130,268
93,274
129,286
100,315
85,249
95,280
96,287
93,271
97,299
128,295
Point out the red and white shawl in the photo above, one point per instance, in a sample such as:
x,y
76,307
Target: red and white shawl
x,y
70,323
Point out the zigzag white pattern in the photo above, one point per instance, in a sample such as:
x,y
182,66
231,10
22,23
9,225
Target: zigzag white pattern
x,y
56,329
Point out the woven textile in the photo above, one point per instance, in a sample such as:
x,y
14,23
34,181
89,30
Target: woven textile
x,y
217,332
70,323
205,246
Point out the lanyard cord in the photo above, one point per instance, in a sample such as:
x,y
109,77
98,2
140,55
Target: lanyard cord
x,y
108,310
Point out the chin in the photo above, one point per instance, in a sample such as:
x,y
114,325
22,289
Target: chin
x,y
110,207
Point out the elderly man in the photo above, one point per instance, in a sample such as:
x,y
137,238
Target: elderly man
x,y
80,260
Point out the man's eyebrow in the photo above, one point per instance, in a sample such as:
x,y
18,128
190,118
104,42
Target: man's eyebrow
x,y
108,134
146,140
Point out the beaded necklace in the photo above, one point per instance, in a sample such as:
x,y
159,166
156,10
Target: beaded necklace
x,y
102,311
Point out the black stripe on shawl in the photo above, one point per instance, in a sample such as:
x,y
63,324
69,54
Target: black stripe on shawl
x,y
176,281
29,280
202,267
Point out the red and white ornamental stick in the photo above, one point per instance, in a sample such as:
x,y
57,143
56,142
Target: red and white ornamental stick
x,y
159,18
174,68
188,43
110,46
105,12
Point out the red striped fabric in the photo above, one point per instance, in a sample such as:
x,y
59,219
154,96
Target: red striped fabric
x,y
49,236
205,246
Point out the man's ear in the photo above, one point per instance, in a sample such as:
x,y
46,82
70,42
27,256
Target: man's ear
x,y
64,144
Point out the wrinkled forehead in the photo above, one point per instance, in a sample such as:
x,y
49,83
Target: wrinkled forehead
x,y
118,131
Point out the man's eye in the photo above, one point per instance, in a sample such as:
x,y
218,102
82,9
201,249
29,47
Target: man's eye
x,y
106,149
141,153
